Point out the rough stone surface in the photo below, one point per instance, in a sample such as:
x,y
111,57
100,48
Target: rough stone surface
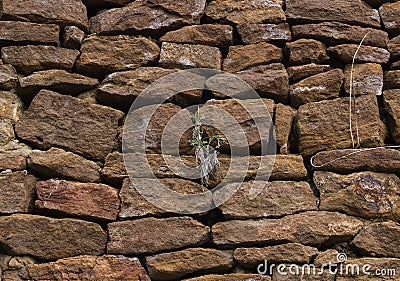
x,y
285,253
57,163
133,204
315,88
326,257
379,239
309,228
6,132
90,201
334,33
351,12
11,107
17,192
101,55
357,160
151,235
28,59
392,79
305,51
57,80
231,277
278,198
325,125
243,57
367,79
392,106
69,123
270,81
394,47
88,268
114,170
120,89
246,11
171,266
345,52
390,13
73,37
68,12
189,56
364,194
12,162
147,17
256,133
300,72
216,35
50,239
252,33
8,77
24,33
284,116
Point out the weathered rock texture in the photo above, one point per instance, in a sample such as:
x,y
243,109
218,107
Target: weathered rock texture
x,y
70,71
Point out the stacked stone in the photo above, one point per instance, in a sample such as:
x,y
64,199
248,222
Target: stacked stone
x,y
69,72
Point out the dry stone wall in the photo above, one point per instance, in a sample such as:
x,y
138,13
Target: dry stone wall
x,y
69,72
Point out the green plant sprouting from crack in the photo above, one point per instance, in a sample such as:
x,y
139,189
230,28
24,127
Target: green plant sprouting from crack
x,y
206,154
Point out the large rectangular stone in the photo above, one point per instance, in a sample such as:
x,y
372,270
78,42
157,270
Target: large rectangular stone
x,y
70,123
325,125
50,239
315,228
151,235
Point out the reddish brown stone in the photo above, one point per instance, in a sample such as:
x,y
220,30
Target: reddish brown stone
x,y
12,162
367,79
325,125
246,11
284,116
364,194
89,201
25,33
392,79
68,12
172,266
11,107
379,239
316,228
189,56
285,253
69,123
86,268
252,33
300,72
270,81
315,88
383,160
351,12
334,33
392,106
55,80
50,239
17,192
114,170
106,3
394,47
152,17
243,57
28,59
374,266
276,199
305,51
101,55
346,53
151,235
390,13
73,37
216,35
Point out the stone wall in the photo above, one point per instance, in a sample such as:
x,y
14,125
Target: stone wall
x,y
69,72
